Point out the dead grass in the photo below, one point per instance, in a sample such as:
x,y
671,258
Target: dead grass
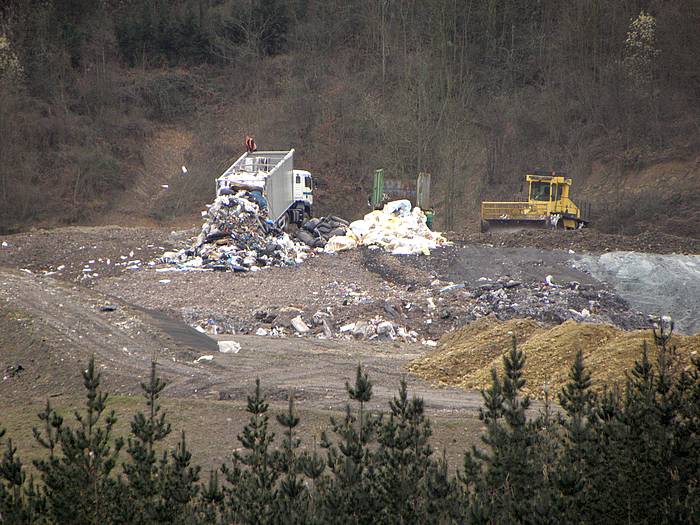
x,y
211,426
465,357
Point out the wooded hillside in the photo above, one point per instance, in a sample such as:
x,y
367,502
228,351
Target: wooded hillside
x,y
473,91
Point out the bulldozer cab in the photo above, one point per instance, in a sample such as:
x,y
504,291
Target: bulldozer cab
x,y
553,189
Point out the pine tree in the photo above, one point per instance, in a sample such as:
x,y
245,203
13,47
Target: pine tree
x,y
402,460
502,480
362,393
345,497
13,505
313,466
211,499
579,458
178,488
147,430
78,484
252,477
292,503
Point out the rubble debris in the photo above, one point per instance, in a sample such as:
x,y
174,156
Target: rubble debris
x,y
299,325
320,316
316,232
107,308
13,371
229,347
236,236
347,328
208,322
386,329
327,330
396,228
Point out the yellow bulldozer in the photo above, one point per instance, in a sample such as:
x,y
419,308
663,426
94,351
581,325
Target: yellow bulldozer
x,y
548,205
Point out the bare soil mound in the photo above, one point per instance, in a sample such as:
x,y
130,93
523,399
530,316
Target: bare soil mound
x,y
588,240
466,356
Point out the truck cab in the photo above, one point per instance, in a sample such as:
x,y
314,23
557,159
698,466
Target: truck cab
x,y
303,188
302,191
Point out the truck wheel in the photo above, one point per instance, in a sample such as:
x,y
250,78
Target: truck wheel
x,y
484,226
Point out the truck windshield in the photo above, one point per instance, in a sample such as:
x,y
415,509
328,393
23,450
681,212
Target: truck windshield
x,y
539,191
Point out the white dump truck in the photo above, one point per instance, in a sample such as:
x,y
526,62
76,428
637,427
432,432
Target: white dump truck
x,y
270,176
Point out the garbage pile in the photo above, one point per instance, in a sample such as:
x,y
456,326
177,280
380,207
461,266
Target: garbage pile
x,y
545,301
315,233
396,228
237,236
324,324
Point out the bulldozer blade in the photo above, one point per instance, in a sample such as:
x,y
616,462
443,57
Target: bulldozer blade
x,y
513,225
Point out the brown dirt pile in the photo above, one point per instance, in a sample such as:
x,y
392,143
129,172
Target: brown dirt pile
x,y
466,356
586,240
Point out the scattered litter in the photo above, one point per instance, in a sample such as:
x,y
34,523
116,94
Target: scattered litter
x,y
340,243
164,281
107,308
549,280
165,186
229,347
451,288
25,270
262,332
203,358
4,244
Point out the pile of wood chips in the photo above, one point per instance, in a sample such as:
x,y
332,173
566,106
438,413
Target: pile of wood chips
x,y
465,357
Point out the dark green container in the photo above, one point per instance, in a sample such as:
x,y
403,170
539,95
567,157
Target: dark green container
x,y
429,218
